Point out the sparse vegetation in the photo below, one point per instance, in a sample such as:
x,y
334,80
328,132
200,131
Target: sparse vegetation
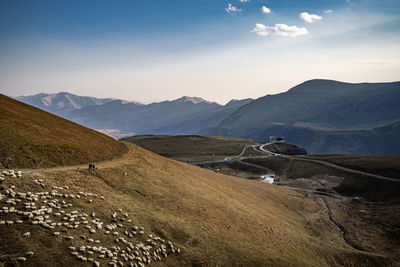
x,y
388,166
353,184
215,219
33,138
192,148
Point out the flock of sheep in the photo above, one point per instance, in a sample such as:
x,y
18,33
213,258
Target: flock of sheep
x,y
53,211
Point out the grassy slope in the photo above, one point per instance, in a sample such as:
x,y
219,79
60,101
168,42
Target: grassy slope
x,y
353,184
217,219
30,137
196,148
388,166
191,147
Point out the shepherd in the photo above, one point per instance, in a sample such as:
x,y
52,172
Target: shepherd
x,y
91,167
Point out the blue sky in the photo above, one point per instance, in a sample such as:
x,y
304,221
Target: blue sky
x,y
154,50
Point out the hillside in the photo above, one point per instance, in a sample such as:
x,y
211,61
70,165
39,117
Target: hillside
x,y
191,148
201,121
380,140
33,138
212,218
324,117
360,192
142,207
336,104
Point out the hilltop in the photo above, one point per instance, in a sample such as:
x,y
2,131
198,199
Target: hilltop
x,y
34,138
286,149
191,148
195,148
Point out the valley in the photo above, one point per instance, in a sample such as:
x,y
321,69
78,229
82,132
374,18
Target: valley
x,y
138,208
360,193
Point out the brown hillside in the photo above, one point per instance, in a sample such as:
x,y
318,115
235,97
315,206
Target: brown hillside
x,y
30,137
215,219
191,147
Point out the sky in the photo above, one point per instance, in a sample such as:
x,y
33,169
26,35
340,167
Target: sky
x,y
153,50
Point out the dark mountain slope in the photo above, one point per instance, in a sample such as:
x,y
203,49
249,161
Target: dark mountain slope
x,y
381,140
323,117
193,125
183,115
341,105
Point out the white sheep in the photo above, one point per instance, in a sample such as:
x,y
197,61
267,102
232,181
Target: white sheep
x,y
22,259
27,234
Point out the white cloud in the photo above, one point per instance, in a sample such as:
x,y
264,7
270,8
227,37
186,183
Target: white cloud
x,y
309,17
279,29
231,8
328,11
244,1
265,10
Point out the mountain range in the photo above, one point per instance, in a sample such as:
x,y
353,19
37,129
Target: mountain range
x,y
61,103
186,115
323,116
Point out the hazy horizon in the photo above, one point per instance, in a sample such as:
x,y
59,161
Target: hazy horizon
x,y
218,50
161,100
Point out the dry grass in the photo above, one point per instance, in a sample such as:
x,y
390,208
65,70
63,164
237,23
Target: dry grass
x,y
30,137
218,220
383,165
193,148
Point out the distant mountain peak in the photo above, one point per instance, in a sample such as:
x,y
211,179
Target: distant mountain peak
x,y
194,100
61,101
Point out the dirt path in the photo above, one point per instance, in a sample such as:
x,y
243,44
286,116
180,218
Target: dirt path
x,y
103,164
241,154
